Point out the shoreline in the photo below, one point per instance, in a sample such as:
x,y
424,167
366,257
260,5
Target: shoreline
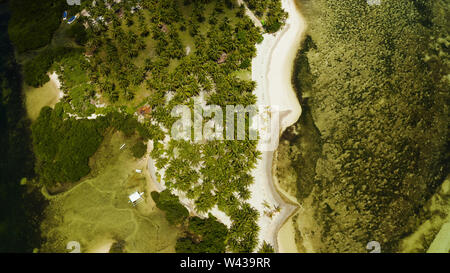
x,y
273,54
272,70
49,94
54,78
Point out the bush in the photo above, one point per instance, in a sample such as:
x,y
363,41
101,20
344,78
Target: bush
x,y
127,124
78,33
205,236
35,70
170,204
139,149
266,248
118,247
63,147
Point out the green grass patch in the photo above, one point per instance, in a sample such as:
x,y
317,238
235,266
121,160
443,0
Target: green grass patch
x,y
97,209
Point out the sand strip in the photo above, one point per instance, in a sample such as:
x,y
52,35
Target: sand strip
x,y
272,71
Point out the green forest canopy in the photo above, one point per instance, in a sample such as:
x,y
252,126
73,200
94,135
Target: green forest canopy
x,y
63,145
203,236
176,213
33,23
144,52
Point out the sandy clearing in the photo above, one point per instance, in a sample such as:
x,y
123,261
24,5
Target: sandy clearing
x,y
55,78
47,95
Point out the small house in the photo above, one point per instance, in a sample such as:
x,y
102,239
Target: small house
x,y
144,110
136,197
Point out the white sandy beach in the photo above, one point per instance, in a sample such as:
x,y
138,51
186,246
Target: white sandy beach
x,y
272,71
48,94
54,78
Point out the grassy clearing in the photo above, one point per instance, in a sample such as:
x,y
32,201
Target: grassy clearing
x,y
96,212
